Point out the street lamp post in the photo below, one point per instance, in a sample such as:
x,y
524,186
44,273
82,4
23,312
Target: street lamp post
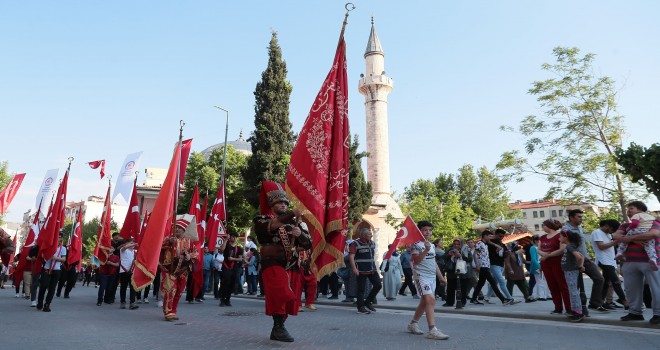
x,y
224,157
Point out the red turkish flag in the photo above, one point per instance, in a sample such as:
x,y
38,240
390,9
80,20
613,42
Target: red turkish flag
x,y
96,164
218,213
186,146
104,236
131,227
8,193
75,251
407,235
160,224
198,266
143,227
48,240
317,177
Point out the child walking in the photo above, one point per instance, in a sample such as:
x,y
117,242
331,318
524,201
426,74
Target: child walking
x,y
572,263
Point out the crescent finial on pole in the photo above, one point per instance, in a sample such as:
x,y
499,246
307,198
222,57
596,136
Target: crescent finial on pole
x,y
349,7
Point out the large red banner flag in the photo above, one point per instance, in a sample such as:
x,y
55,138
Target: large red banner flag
x,y
143,227
160,222
98,164
74,254
131,227
407,235
104,236
9,192
317,177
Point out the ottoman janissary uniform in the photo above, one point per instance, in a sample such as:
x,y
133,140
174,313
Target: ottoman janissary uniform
x,y
177,253
280,233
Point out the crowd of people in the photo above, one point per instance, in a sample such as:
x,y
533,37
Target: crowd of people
x,y
550,267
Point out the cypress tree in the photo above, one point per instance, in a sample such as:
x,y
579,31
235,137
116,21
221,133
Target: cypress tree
x,y
272,140
360,191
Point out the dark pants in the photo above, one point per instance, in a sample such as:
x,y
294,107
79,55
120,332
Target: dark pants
x,y
125,282
374,278
47,282
61,282
112,292
407,282
260,280
331,282
143,294
105,283
252,284
88,278
34,286
591,270
217,276
69,277
610,276
484,275
522,285
452,283
227,284
156,284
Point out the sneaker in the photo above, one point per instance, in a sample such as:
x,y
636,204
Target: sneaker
x,y
436,334
17,295
632,317
311,307
133,307
348,300
300,309
655,320
415,296
145,300
556,312
122,306
363,310
487,301
576,318
610,307
199,300
98,304
413,328
160,303
34,304
476,302
370,306
599,308
139,301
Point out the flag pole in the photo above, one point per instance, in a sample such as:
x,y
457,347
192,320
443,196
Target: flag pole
x,y
177,185
349,7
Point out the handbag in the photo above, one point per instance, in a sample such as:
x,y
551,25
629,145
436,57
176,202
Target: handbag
x,y
460,267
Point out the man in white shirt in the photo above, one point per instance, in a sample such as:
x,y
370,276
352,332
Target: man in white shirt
x,y
604,250
127,257
50,275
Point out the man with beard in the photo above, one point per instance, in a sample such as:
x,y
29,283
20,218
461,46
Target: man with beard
x,y
279,234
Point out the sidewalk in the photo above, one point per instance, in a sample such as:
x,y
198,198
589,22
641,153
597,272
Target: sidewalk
x,y
538,310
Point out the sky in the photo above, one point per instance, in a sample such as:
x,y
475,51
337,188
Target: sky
x,y
102,79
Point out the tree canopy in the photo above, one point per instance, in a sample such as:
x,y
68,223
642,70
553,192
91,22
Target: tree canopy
x,y
359,189
642,165
572,143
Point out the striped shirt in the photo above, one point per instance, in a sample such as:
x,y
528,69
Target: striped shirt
x,y
635,251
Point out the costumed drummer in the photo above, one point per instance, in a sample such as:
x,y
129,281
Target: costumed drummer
x,y
280,233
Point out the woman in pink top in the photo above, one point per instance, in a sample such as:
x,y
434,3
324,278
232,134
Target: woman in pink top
x,y
551,251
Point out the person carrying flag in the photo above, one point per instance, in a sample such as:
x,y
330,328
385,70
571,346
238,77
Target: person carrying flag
x,y
279,234
425,273
176,258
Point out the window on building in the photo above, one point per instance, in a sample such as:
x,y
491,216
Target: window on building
x,y
524,214
536,227
561,213
535,214
554,213
542,213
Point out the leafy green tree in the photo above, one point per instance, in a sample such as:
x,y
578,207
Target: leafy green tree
x,y
272,140
5,177
572,143
642,165
206,174
455,221
360,191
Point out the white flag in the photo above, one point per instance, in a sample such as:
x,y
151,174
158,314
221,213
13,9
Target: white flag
x,y
124,184
44,191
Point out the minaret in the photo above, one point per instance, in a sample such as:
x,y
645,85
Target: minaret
x,y
375,86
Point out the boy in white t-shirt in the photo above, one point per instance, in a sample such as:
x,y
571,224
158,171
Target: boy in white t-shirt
x,y
425,271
